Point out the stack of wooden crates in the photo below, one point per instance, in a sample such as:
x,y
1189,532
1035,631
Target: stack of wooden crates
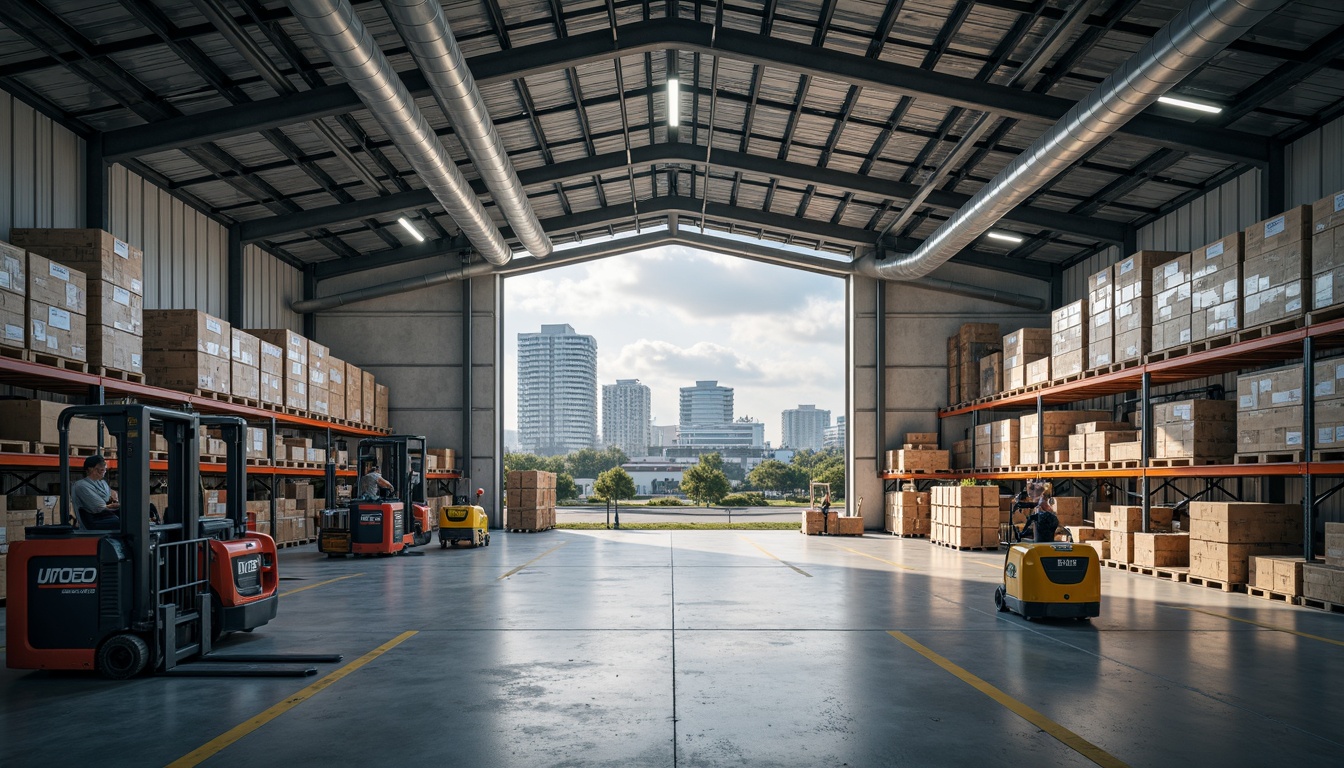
x,y
1324,584
531,500
1224,536
973,342
919,453
965,516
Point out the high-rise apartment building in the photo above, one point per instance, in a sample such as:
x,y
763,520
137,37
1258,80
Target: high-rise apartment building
x,y
557,390
835,435
626,412
804,427
706,403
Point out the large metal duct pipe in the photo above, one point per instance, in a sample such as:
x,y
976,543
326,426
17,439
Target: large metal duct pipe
x,y
337,30
426,32
869,267
1196,35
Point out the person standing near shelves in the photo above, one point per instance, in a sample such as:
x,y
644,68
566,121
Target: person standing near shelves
x,y
95,498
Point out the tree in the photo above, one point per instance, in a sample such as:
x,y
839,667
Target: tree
x,y
525,462
705,484
712,460
588,462
615,484
771,475
565,487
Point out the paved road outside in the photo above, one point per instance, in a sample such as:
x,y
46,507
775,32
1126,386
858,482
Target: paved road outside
x,y
681,514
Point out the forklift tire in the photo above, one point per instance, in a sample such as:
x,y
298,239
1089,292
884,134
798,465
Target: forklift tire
x,y
122,657
443,544
487,539
999,601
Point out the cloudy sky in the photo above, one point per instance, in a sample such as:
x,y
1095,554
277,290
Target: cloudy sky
x,y
674,315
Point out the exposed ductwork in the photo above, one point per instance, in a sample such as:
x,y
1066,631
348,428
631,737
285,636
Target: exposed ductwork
x,y
337,30
755,252
1196,35
426,32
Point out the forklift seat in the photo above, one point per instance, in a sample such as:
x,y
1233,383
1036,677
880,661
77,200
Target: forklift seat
x,y
89,522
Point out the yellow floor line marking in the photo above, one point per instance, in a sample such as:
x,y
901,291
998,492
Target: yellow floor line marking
x,y
1068,738
776,557
319,584
995,566
879,559
1274,627
222,742
533,560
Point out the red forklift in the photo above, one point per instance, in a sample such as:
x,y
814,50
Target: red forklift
x,y
153,589
383,521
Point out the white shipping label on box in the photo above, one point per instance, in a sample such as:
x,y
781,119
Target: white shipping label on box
x,y
137,286
273,351
53,343
1214,251
1185,336
213,326
212,349
1274,226
1182,412
13,332
121,296
121,249
298,369
1246,402
72,295
1325,388
1325,436
59,271
58,318
1293,305
136,361
1285,397
1126,266
1252,303
4,279
39,330
1292,438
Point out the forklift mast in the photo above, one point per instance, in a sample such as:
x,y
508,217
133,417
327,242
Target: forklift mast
x,y
401,459
233,430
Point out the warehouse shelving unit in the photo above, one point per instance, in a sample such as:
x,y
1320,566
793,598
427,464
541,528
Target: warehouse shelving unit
x,y
1229,356
26,467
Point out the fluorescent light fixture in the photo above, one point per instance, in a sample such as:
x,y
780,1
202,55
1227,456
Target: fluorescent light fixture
x,y
1187,104
409,227
1005,237
673,101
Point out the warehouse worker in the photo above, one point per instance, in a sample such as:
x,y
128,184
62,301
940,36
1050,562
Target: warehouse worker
x,y
95,498
1041,523
371,481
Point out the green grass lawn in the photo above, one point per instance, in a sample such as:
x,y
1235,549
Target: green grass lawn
x,y
748,526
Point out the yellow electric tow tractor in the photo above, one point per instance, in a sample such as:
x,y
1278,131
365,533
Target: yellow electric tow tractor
x,y
464,521
1044,578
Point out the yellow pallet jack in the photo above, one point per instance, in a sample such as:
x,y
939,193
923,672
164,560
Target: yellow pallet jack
x,y
1047,579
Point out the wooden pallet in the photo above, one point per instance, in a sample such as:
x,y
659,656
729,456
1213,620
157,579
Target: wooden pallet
x,y
1277,457
529,530
126,376
258,462
1115,564
962,549
1329,456
909,535
1268,594
1067,379
55,361
1226,586
1172,573
54,449
944,471
14,446
299,543
1322,605
1189,462
14,353
236,400
1325,315
277,407
1269,329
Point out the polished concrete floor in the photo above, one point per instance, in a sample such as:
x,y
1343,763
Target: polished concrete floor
x,y
716,648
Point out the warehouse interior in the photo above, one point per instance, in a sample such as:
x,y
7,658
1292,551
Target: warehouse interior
x,y
350,184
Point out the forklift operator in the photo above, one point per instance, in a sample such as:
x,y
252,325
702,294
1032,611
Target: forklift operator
x,y
1042,523
371,481
95,498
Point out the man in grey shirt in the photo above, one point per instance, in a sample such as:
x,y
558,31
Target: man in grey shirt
x,y
92,494
371,481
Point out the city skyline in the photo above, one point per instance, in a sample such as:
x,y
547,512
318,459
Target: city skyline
x,y
674,315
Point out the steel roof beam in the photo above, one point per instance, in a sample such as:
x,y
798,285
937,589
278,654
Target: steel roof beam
x,y
1084,226
684,35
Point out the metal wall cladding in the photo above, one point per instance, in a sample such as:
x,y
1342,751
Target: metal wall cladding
x,y
1314,164
40,180
272,286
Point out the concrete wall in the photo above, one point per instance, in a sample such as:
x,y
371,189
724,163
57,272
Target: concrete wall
x,y
414,344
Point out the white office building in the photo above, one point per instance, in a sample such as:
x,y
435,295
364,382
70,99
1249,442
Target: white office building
x,y
835,436
706,403
737,434
557,390
804,427
626,416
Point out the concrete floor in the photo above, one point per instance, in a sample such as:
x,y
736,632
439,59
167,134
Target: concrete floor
x,y
718,648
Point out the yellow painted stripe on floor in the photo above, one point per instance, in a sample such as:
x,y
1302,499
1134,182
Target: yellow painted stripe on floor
x,y
1070,739
879,559
533,560
995,566
1274,627
221,742
776,557
319,584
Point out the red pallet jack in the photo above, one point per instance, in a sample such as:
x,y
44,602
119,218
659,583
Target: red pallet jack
x,y
151,589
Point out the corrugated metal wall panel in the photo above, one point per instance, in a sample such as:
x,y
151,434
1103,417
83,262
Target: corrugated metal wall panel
x,y
1314,165
271,286
40,161
1232,207
1075,277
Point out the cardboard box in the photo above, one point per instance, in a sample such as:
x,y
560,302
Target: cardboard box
x,y
1216,287
1069,510
1323,582
271,389
368,394
1132,451
1122,546
245,381
1159,550
1054,435
118,350
270,358
182,330
1334,544
381,418
1269,411
1277,573
317,366
991,374
13,269
1246,523
354,394
1100,313
54,331
56,285
1134,293
914,460
1068,339
1228,562
188,371
115,307
1038,371
13,319
93,251
1097,445
1292,226
335,387
1025,345
1129,519
245,349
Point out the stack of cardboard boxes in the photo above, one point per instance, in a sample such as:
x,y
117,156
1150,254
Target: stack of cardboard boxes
x,y
245,354
1022,348
1068,340
13,290
1281,574
380,407
1124,523
115,274
918,453
1100,317
1173,304
996,444
1133,283
271,365
354,394
335,388
991,374
441,460
1269,412
368,394
295,370
908,513
973,342
34,421
1225,535
964,516
531,496
1327,252
1095,441
1325,583
1215,285
188,351
1204,430
319,399
1277,267
57,309
1051,438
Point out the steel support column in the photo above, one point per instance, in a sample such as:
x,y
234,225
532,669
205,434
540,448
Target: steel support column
x,y
1274,182
1308,447
467,399
880,361
95,184
310,293
234,279
1146,446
